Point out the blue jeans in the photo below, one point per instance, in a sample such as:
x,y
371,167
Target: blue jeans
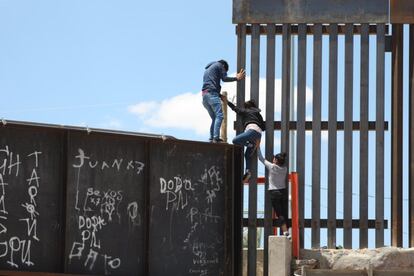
x,y
248,138
212,102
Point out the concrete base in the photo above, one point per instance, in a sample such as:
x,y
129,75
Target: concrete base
x,y
280,256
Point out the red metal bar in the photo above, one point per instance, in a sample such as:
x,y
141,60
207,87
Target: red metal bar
x,y
262,180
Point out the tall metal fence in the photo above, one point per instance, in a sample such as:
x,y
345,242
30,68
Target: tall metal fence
x,y
348,62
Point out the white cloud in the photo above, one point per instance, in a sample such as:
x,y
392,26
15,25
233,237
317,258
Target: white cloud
x,y
230,87
183,111
143,108
186,112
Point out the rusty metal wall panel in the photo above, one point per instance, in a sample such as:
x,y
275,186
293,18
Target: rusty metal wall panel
x,y
348,143
397,136
188,222
240,8
310,11
241,64
316,135
103,190
363,164
401,11
269,147
237,210
301,118
332,133
379,137
254,94
411,137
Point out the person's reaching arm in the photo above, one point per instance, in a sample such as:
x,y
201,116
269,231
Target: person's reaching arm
x,y
239,76
260,155
236,109
267,164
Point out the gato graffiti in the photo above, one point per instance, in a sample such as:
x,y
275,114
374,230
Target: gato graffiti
x,y
98,211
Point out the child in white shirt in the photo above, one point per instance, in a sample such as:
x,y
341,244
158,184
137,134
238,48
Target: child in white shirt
x,y
277,188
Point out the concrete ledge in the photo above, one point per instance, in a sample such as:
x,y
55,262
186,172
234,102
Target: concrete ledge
x,y
280,256
385,258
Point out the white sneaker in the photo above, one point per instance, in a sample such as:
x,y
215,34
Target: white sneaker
x,y
287,235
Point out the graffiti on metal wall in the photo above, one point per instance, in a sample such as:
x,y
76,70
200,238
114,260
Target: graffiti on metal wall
x,y
195,198
16,248
97,210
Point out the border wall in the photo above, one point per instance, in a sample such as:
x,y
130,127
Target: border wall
x,y
85,201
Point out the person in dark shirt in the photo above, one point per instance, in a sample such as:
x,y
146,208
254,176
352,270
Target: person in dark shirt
x,y
215,72
253,127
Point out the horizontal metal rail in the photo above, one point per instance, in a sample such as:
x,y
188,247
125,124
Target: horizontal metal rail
x,y
324,125
323,223
310,29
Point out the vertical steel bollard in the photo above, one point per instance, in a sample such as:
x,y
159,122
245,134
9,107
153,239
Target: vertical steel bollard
x,y
295,213
223,129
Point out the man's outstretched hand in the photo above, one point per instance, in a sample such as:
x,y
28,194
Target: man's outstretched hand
x,y
241,75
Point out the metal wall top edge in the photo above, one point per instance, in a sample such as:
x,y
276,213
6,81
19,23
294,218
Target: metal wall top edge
x,y
310,11
195,143
5,123
155,138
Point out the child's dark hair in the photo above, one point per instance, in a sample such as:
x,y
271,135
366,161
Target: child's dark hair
x,y
281,158
225,64
249,104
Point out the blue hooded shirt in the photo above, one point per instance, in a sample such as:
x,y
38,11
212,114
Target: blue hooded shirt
x,y
214,73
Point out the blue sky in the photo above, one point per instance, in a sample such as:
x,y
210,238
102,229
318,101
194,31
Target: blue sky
x,y
135,66
85,62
